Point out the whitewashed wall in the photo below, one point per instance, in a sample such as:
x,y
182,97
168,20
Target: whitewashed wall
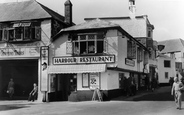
x,y
161,70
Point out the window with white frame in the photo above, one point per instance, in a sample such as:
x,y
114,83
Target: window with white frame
x,y
92,43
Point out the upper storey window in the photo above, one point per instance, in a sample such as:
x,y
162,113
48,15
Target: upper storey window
x,y
25,31
131,49
84,44
149,32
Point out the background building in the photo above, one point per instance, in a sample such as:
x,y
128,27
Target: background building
x,y
174,49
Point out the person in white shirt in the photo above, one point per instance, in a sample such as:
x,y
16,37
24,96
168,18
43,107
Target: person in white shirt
x,y
176,90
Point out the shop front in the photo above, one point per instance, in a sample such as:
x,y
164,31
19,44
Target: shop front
x,y
76,78
22,65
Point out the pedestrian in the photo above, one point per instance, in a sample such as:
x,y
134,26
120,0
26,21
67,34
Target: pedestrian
x,y
153,84
34,93
171,81
10,89
177,92
147,83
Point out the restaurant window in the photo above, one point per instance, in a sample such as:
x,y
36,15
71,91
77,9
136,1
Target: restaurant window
x,y
84,44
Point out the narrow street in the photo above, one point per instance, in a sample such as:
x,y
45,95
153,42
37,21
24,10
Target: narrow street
x,y
159,102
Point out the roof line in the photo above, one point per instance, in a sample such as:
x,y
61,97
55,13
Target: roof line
x,y
124,17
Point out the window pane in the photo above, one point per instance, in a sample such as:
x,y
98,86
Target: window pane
x,y
5,35
74,38
83,47
37,33
76,48
33,33
83,37
11,34
166,75
167,63
91,37
100,36
18,33
100,46
26,33
91,47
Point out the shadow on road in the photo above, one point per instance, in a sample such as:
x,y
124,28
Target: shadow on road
x,y
166,96
160,94
13,106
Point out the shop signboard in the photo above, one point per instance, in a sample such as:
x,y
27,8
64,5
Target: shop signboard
x,y
19,52
83,60
129,62
44,56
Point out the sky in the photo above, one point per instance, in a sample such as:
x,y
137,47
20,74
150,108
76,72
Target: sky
x,y
167,16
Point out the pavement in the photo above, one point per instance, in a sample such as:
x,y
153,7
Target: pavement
x,y
159,102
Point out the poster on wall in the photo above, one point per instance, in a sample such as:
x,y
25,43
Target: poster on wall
x,y
44,56
85,80
94,81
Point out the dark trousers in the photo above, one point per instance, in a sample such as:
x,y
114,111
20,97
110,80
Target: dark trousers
x,y
32,97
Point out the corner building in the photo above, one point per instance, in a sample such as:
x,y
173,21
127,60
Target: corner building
x,y
94,54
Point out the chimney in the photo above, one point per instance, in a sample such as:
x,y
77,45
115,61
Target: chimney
x,y
132,8
68,12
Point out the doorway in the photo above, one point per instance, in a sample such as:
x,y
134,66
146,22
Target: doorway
x,y
65,84
23,72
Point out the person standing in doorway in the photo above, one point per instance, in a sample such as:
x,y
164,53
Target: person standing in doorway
x,y
10,90
177,92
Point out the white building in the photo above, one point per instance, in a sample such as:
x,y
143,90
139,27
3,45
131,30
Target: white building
x,y
94,54
166,68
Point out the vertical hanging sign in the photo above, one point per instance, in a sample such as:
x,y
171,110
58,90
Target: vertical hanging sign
x,y
44,56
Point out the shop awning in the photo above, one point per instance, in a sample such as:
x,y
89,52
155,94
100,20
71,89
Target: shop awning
x,y
62,69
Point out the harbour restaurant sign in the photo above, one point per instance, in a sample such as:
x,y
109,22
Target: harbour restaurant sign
x,y
83,60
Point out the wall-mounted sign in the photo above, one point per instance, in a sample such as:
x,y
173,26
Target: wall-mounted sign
x,y
129,62
83,60
44,56
19,52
